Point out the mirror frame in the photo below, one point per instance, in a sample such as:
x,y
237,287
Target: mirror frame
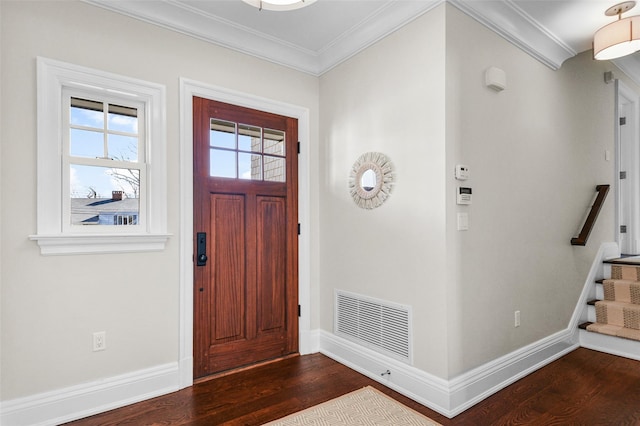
x,y
383,168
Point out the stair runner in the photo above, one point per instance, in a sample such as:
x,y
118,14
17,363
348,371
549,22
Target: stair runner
x,y
619,313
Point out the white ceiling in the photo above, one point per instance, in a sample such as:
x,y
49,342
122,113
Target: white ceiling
x,y
317,37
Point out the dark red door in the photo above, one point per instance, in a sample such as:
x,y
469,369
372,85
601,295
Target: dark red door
x,y
245,202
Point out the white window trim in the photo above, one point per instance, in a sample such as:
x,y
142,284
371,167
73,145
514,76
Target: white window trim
x,y
51,236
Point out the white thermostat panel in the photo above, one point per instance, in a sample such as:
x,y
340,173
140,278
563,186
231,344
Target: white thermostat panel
x,y
464,195
462,172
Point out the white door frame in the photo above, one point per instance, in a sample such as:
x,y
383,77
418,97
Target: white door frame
x,y
189,89
628,160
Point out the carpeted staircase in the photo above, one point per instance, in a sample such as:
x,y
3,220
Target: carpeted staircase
x,y
618,314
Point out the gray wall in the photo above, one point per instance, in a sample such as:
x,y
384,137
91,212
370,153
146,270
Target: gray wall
x,y
389,98
536,152
52,305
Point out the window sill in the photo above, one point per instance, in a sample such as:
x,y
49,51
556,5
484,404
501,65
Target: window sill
x,y
92,244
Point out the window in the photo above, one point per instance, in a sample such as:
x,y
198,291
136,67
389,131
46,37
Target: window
x,y
246,152
101,151
101,161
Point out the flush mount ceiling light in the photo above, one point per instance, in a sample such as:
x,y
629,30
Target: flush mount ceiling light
x,y
279,5
619,38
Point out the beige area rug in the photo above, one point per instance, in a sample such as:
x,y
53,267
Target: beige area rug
x,y
367,406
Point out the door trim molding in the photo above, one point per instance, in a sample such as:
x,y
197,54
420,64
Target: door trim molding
x,y
632,202
189,89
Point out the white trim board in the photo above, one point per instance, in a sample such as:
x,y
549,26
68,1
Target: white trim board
x,y
76,402
609,344
454,396
179,17
448,397
600,342
508,20
189,89
501,16
630,65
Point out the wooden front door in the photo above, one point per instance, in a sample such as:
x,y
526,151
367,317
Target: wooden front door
x,y
246,225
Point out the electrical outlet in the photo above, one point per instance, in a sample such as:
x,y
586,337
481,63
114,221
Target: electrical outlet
x,y
516,317
99,341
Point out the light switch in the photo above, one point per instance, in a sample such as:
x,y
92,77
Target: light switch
x,y
463,221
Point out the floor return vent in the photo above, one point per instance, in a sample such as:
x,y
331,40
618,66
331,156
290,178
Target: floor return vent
x,y
377,324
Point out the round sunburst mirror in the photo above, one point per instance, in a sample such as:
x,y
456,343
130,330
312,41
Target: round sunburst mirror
x,y
371,180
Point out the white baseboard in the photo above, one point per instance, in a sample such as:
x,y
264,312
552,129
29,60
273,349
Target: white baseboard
x,y
186,372
452,397
609,344
416,384
473,386
600,342
448,397
309,342
75,402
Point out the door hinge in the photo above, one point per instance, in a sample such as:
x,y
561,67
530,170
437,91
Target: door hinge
x,y
623,121
299,229
299,310
623,175
298,147
623,229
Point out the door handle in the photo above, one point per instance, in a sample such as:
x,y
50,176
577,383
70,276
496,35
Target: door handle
x,y
201,252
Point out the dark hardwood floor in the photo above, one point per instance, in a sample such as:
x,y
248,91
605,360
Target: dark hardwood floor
x,y
584,387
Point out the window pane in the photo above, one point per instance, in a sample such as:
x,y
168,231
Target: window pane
x,y
100,195
274,142
86,143
250,166
223,134
123,119
222,163
274,169
123,148
87,113
249,138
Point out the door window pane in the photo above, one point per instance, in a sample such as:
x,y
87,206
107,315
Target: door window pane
x,y
222,163
250,166
259,153
274,169
274,142
249,138
222,134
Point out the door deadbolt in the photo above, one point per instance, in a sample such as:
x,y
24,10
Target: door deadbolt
x,y
201,255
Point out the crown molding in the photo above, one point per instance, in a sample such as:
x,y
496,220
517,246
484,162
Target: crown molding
x,y
387,20
630,65
183,19
512,23
501,16
179,17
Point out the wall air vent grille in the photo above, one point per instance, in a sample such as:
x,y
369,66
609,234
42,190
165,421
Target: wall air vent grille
x,y
377,324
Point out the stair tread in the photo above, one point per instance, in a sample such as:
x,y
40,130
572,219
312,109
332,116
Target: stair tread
x,y
584,325
629,260
615,303
614,325
611,330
